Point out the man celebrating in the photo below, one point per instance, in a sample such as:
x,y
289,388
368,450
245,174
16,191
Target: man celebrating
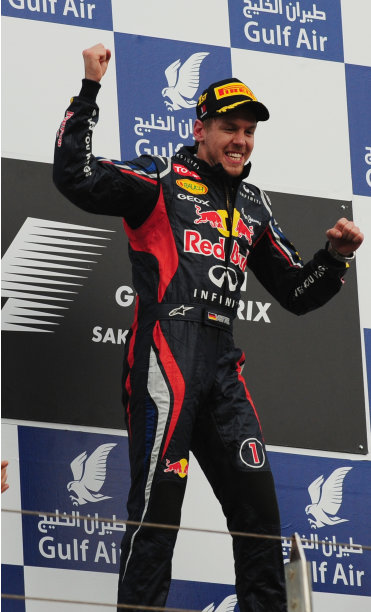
x,y
183,384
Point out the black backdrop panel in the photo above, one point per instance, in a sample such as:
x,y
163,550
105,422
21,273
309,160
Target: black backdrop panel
x,y
304,373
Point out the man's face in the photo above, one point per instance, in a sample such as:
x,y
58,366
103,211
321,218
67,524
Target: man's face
x,y
228,140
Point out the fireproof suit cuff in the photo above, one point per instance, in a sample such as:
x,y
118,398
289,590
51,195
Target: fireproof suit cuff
x,y
338,256
330,261
89,90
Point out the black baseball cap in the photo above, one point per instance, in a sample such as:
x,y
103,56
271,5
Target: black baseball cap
x,y
227,95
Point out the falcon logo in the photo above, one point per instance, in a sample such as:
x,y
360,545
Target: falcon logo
x,y
183,82
89,475
326,497
228,605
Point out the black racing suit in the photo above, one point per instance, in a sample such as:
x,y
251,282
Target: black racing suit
x,y
192,231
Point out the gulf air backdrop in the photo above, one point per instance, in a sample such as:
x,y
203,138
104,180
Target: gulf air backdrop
x,y
68,297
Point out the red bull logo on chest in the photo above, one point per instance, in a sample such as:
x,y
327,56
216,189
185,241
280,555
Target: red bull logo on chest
x,y
209,216
244,231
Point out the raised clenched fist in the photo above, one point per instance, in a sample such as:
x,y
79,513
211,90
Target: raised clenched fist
x,y
96,61
345,237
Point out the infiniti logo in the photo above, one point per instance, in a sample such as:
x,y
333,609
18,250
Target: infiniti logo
x,y
219,274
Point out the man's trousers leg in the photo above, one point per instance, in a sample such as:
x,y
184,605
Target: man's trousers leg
x,y
159,439
229,447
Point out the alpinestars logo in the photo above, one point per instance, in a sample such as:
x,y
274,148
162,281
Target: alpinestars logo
x,y
181,310
44,269
89,475
326,497
183,82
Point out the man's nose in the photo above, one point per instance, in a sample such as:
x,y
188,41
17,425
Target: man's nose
x,y
239,138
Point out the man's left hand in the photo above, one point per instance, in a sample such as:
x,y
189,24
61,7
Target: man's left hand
x,y
345,237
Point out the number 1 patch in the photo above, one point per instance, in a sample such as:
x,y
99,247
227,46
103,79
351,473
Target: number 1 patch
x,y
252,453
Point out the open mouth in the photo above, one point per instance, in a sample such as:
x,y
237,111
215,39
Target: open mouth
x,y
234,157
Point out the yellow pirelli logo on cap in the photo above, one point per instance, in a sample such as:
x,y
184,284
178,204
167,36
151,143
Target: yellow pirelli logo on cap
x,y
233,89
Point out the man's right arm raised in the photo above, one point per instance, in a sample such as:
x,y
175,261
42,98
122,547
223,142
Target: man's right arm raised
x,y
96,184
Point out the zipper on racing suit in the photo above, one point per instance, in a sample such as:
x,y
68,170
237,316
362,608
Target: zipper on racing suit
x,y
229,223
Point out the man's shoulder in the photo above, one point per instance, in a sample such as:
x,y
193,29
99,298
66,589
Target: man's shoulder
x,y
146,165
256,195
152,163
256,190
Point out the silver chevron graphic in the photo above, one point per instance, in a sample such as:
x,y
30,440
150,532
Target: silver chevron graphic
x,y
43,271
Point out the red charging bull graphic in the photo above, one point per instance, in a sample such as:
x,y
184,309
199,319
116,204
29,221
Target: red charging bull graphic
x,y
244,231
209,216
178,467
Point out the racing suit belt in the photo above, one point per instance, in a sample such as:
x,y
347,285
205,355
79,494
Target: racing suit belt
x,y
208,315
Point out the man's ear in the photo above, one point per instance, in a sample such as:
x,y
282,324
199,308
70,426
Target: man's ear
x,y
198,130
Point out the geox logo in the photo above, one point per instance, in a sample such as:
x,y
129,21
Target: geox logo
x,y
43,271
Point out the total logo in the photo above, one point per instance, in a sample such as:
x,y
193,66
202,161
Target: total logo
x,y
178,467
179,169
